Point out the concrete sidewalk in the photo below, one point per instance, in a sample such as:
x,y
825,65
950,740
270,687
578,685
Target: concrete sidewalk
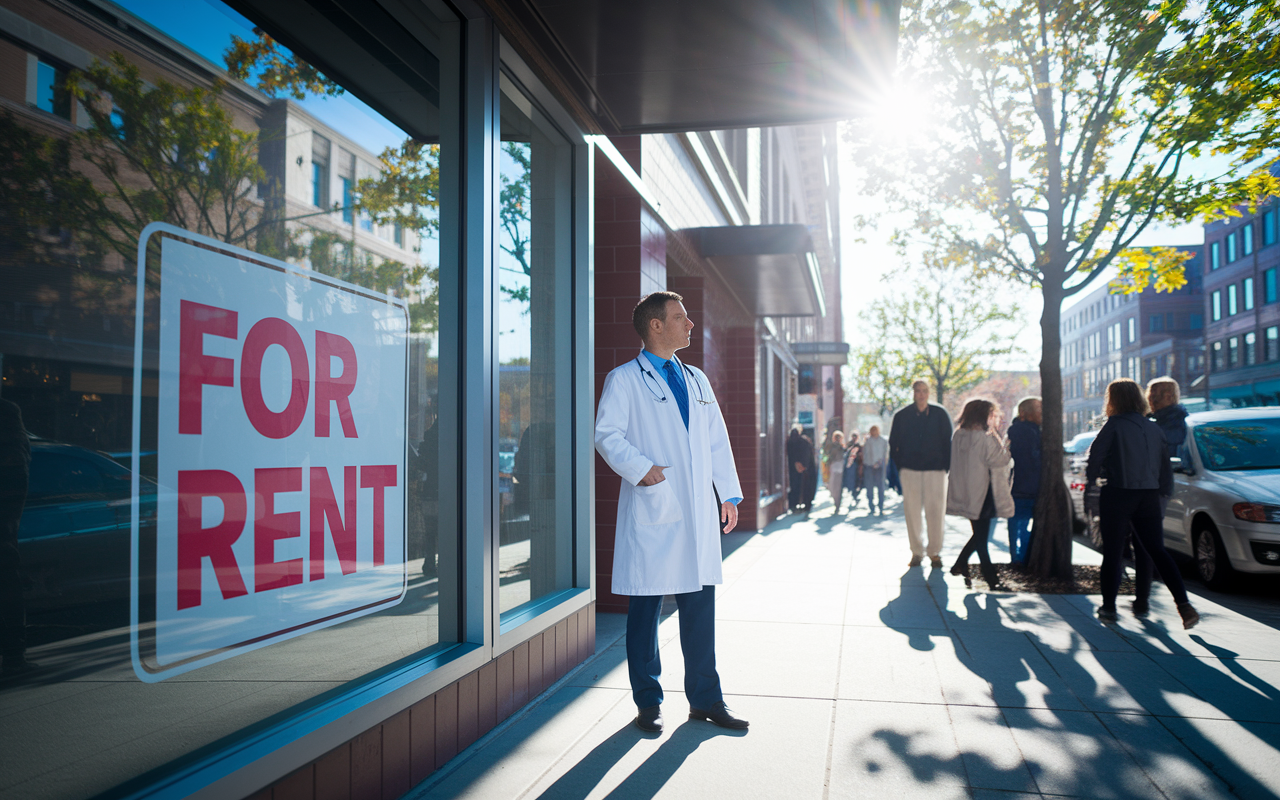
x,y
864,678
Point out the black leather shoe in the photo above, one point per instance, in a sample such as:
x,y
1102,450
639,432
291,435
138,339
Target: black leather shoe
x,y
649,719
720,715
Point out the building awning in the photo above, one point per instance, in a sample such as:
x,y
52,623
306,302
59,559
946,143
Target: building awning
x,y
771,268
827,354
665,66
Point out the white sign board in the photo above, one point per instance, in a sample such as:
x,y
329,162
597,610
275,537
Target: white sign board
x,y
281,454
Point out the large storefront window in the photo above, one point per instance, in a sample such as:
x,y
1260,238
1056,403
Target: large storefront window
x,y
534,340
224,276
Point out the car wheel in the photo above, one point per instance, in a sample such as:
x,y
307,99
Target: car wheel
x,y
1212,564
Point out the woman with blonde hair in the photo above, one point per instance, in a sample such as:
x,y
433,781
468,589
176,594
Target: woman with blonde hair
x,y
1131,456
978,484
835,467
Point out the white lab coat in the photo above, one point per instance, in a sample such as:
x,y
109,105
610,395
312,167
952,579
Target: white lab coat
x,y
668,535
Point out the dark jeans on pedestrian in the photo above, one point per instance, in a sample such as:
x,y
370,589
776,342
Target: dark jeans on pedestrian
x,y
978,541
697,641
1136,511
1143,567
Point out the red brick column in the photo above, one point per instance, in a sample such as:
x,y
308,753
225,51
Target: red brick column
x,y
617,290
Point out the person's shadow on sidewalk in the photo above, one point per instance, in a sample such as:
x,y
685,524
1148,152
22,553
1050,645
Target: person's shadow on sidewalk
x,y
1074,701
645,780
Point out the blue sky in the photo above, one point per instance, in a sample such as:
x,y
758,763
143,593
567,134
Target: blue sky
x,y
206,26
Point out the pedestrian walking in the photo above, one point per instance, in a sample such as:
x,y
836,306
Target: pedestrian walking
x,y
978,484
673,456
1129,459
921,447
803,467
1024,446
1163,395
875,454
853,469
835,467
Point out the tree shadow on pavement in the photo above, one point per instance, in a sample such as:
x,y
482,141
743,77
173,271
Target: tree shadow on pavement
x,y
647,779
1069,717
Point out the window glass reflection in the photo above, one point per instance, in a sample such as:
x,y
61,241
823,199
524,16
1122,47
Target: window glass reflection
x,y
535,529
189,115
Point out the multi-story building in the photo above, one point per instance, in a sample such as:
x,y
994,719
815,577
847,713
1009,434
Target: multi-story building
x,y
1108,335
1242,315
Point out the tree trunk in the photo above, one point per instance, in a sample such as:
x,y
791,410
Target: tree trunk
x,y
1052,535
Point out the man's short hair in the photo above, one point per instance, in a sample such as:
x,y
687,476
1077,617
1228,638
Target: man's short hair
x,y
1025,405
652,306
925,381
1163,387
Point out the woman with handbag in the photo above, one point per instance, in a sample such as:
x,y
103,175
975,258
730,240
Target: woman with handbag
x,y
978,483
1132,456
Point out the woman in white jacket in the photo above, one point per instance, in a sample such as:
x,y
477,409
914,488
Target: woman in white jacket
x,y
978,484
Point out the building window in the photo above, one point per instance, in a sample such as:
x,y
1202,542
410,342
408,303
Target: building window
x,y
1231,247
1269,227
1248,294
1246,234
1269,286
319,171
397,234
1156,322
1232,307
1133,329
1272,335
51,90
1250,349
1215,306
1217,353
1215,255
1233,352
1195,321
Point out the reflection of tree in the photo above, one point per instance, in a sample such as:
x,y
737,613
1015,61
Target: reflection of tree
x,y
276,72
1239,446
166,153
514,215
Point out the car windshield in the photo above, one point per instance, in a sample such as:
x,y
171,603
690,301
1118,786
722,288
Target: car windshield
x,y
1240,444
1080,443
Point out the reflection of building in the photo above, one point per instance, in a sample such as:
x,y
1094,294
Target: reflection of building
x,y
67,345
1242,316
1143,336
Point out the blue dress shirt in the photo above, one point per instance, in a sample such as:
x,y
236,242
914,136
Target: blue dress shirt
x,y
660,365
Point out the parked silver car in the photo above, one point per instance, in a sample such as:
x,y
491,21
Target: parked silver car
x,y
1225,509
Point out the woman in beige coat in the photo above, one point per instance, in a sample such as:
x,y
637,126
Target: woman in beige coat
x,y
978,484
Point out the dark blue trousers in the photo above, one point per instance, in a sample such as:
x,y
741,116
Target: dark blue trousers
x,y
697,641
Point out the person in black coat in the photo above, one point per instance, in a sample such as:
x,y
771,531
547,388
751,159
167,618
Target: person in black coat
x,y
1131,454
15,469
1024,446
1171,417
803,471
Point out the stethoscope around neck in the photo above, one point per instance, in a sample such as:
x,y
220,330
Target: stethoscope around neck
x,y
661,394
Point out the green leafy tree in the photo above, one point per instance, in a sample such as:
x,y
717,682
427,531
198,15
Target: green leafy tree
x,y
945,328
275,72
1062,130
514,215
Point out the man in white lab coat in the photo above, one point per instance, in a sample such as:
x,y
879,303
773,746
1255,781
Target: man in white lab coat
x,y
660,428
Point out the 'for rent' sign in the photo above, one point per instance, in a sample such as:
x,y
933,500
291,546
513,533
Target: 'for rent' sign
x,y
280,454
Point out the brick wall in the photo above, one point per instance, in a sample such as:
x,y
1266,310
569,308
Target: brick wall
x,y
389,759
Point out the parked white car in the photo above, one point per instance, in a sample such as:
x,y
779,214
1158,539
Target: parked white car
x,y
1225,509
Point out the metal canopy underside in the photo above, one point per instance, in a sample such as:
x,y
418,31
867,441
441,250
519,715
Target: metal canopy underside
x,y
771,268
660,66
834,354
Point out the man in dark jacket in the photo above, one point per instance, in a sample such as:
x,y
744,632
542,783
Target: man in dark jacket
x,y
802,470
1024,446
920,444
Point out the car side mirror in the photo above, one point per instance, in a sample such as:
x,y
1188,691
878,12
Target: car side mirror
x,y
1181,467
